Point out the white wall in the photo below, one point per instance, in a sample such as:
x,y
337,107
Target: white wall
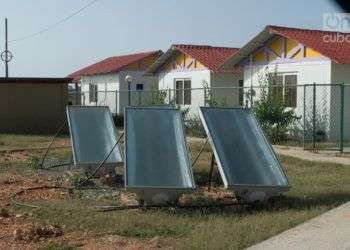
x,y
137,97
167,81
340,74
227,91
107,85
308,72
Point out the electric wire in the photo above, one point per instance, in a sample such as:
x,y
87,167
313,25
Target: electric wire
x,y
54,25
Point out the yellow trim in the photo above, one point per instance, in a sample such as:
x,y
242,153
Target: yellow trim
x,y
180,61
311,53
276,46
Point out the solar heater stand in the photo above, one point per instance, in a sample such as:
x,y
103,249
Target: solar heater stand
x,y
59,130
212,163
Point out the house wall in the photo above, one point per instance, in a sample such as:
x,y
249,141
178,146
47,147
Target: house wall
x,y
32,108
107,85
113,90
225,88
166,81
308,72
138,98
340,74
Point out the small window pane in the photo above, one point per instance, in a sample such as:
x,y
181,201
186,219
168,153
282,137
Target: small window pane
x,y
290,95
93,92
240,92
179,92
276,83
139,86
187,90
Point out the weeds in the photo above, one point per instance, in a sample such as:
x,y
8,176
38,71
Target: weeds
x,y
34,162
57,246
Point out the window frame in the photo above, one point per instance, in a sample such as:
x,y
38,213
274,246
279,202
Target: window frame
x,y
139,84
292,101
186,93
93,92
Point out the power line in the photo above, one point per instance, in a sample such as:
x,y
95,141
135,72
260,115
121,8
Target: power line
x,y
55,24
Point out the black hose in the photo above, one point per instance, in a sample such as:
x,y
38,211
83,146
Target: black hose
x,y
117,208
22,204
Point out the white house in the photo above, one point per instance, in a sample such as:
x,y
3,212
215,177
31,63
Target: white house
x,y
299,57
103,83
186,69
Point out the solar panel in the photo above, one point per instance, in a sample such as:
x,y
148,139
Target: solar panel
x,y
156,155
93,135
246,160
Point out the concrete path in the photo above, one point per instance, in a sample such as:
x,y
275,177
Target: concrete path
x,y
330,230
322,156
307,155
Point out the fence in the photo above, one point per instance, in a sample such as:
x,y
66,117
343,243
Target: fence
x,y
321,111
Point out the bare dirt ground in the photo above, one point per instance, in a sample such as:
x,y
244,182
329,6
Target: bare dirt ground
x,y
20,231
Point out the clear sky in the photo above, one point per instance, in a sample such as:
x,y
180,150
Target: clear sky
x,y
116,27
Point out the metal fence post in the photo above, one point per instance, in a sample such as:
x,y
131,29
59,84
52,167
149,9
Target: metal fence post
x,y
314,117
304,116
251,96
129,94
116,102
341,142
169,96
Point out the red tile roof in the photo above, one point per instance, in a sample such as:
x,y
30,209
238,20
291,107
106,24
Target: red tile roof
x,y
112,64
338,52
210,56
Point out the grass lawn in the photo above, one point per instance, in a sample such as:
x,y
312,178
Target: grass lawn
x,y
316,188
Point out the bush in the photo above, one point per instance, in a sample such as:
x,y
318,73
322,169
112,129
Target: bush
x,y
157,97
209,97
271,111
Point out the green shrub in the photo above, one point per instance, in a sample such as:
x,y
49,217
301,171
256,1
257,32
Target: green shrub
x,y
157,97
271,110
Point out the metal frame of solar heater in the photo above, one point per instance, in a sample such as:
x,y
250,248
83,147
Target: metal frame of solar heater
x,y
92,165
146,194
244,191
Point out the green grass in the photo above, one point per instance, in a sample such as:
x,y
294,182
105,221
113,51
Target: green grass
x,y
316,188
56,246
16,141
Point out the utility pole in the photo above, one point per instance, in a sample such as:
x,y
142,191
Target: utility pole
x,y
6,49
6,55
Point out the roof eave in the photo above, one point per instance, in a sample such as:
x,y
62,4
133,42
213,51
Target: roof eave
x,y
253,45
152,70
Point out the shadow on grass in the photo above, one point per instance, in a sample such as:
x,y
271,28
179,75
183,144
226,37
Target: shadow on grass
x,y
306,202
287,203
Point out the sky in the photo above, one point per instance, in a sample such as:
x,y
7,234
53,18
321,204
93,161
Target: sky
x,y
116,27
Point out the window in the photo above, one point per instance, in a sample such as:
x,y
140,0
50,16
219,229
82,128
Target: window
x,y
290,85
284,86
139,86
240,92
93,91
183,91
